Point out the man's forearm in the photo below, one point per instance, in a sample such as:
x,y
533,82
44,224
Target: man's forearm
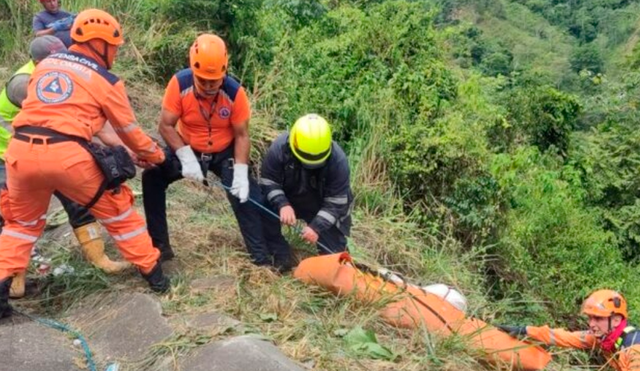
x,y
108,136
242,149
171,137
46,31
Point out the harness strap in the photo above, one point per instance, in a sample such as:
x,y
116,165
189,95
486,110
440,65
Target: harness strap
x,y
627,330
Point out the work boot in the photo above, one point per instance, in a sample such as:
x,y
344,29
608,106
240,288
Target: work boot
x,y
158,282
166,252
5,308
93,249
283,264
17,287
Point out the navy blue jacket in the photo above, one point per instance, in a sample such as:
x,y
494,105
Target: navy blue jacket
x,y
321,195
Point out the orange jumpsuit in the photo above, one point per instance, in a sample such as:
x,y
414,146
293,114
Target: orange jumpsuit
x,y
625,358
72,94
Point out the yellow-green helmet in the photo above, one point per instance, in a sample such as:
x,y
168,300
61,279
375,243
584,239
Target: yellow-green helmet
x,y
310,140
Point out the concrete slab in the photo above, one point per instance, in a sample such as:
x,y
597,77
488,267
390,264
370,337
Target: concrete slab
x,y
126,328
240,354
29,346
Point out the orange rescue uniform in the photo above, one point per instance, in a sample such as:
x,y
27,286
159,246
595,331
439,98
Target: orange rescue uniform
x,y
206,124
72,94
626,357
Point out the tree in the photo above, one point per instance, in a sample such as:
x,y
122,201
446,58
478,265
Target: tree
x,y
587,57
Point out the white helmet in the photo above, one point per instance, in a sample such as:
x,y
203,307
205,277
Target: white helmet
x,y
391,277
451,295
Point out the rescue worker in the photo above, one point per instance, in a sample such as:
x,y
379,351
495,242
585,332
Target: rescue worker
x,y
205,123
85,226
305,175
608,330
53,21
70,97
15,90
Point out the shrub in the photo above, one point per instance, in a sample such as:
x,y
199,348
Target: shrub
x,y
587,57
546,115
553,250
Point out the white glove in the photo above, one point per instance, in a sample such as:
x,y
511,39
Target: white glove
x,y
240,185
190,165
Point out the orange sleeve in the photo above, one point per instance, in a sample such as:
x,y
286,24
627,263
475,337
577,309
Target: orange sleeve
x,y
172,101
119,113
241,108
629,358
562,338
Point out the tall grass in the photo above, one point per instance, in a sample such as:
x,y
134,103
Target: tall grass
x,y
15,26
142,31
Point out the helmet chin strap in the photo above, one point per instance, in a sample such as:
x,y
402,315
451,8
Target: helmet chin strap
x,y
104,55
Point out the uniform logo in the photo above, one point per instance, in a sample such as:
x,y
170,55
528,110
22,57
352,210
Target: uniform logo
x,y
224,112
54,87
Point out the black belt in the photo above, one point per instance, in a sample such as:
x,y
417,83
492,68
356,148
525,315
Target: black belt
x,y
51,140
53,136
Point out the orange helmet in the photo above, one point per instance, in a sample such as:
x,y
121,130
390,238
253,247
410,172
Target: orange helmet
x,y
208,57
96,24
605,303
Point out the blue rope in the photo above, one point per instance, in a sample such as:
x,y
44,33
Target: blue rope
x,y
268,211
64,328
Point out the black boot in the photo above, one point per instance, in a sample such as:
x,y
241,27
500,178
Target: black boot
x,y
283,263
158,282
166,252
5,308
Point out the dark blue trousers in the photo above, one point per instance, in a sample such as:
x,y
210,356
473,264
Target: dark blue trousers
x,y
260,231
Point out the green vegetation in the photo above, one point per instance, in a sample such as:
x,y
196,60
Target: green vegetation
x,y
494,146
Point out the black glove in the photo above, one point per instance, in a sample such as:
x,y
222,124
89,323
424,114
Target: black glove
x,y
513,330
171,166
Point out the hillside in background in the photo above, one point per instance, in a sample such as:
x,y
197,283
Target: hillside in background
x,y
493,147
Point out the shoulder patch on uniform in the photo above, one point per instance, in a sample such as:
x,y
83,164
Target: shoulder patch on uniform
x,y
630,339
54,87
185,79
89,63
231,86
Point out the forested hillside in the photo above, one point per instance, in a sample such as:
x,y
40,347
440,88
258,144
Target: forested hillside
x,y
498,137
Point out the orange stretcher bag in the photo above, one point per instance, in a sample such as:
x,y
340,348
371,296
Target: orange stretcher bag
x,y
410,307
